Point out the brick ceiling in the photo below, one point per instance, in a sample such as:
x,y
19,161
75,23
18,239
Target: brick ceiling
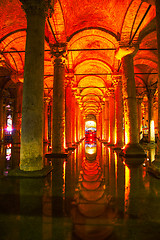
x,y
93,31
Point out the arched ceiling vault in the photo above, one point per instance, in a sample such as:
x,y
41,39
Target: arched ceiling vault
x,y
93,31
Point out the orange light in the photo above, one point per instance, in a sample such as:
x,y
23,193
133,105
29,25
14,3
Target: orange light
x,y
127,186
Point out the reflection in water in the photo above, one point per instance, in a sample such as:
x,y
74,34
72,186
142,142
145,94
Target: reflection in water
x,y
88,196
127,187
92,213
91,150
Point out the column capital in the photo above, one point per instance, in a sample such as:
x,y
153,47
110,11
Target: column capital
x,y
126,50
151,92
35,7
68,81
111,92
58,50
116,79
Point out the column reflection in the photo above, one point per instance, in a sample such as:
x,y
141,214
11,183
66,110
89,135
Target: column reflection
x,y
92,212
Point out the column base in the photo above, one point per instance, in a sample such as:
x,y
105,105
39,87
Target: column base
x,y
72,148
154,169
56,155
118,146
133,150
133,154
28,174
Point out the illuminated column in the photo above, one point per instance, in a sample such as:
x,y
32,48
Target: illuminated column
x,y
81,125
155,167
158,42
73,120
76,115
107,120
130,98
68,115
132,146
111,117
31,154
1,117
51,121
99,125
97,118
17,117
17,113
78,122
139,107
45,129
103,121
119,111
58,135
151,132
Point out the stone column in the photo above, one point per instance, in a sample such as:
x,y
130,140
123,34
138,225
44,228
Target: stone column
x,y
17,118
58,135
68,116
46,126
107,120
130,97
151,132
73,122
155,167
45,132
111,117
139,107
132,146
119,111
103,121
78,122
1,117
17,114
31,153
76,116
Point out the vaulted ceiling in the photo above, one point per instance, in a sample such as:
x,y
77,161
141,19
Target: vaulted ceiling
x,y
93,31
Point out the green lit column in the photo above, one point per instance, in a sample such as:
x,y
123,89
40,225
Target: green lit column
x,y
31,152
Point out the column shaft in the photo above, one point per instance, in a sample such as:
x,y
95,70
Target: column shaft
x,y
45,132
31,155
1,117
58,107
151,132
112,118
158,44
139,107
68,116
119,114
107,120
130,98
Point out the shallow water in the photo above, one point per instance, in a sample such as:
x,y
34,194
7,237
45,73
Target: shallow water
x,y
90,195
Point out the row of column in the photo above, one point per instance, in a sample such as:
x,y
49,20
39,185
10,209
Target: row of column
x,y
31,152
31,157
123,118
112,115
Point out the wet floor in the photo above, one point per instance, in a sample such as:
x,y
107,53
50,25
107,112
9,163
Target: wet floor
x,y
90,195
